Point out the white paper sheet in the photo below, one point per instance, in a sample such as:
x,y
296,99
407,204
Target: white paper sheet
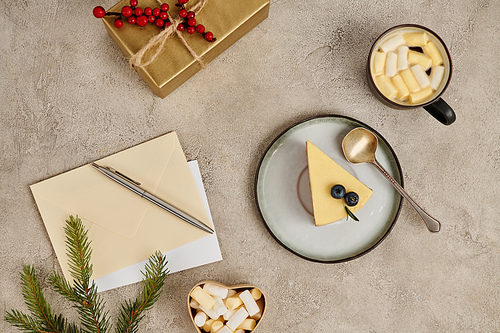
x,y
200,252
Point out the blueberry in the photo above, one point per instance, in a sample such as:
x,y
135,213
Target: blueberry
x,y
338,191
351,199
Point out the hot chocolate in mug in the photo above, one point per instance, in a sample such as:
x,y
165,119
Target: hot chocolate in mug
x,y
409,67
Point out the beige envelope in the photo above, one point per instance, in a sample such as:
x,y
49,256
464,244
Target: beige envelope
x,y
123,227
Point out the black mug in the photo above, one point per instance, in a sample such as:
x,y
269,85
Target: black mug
x,y
428,64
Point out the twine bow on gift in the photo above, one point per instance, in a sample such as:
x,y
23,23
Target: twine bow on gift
x,y
157,42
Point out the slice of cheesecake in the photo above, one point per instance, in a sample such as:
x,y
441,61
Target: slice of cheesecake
x,y
325,173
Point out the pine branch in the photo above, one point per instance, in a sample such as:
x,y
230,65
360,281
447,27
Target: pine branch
x,y
62,287
23,322
42,319
65,326
132,312
34,299
128,320
83,293
154,278
79,251
88,304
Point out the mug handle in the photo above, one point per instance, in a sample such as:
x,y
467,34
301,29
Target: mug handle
x,y
441,111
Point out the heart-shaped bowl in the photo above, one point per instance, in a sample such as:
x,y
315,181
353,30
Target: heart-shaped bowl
x,y
237,288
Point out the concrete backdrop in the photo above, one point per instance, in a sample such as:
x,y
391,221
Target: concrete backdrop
x,y
68,98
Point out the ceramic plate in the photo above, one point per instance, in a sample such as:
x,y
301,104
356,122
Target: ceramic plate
x,y
284,199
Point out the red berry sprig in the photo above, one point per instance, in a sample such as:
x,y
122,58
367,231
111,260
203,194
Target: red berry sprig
x,y
189,24
158,16
136,15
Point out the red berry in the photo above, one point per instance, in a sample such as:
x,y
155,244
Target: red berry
x,y
131,20
99,12
133,3
191,30
163,15
127,11
151,18
168,24
191,22
180,27
190,15
138,11
160,23
200,28
209,36
156,12
148,11
182,2
183,13
165,7
118,23
141,21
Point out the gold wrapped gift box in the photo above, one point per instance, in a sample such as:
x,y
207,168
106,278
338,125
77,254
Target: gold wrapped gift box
x,y
227,20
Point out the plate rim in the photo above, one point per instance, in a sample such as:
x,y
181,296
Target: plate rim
x,y
259,167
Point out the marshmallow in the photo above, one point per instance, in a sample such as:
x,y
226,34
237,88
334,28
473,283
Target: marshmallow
x,y
233,302
200,319
256,293
219,306
410,81
432,51
215,290
420,59
257,316
402,57
400,85
416,38
247,324
225,329
420,76
379,63
391,64
421,95
249,302
437,74
203,298
260,303
210,312
239,331
195,305
231,293
237,319
216,326
385,86
392,43
207,327
229,314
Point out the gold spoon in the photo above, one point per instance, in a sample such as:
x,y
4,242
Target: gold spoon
x,y
359,146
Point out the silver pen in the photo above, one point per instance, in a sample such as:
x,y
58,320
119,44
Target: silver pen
x,y
133,186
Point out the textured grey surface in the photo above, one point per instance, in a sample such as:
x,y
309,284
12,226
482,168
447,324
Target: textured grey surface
x,y
68,98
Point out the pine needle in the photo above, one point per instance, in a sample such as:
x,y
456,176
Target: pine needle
x,y
132,312
22,321
88,304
